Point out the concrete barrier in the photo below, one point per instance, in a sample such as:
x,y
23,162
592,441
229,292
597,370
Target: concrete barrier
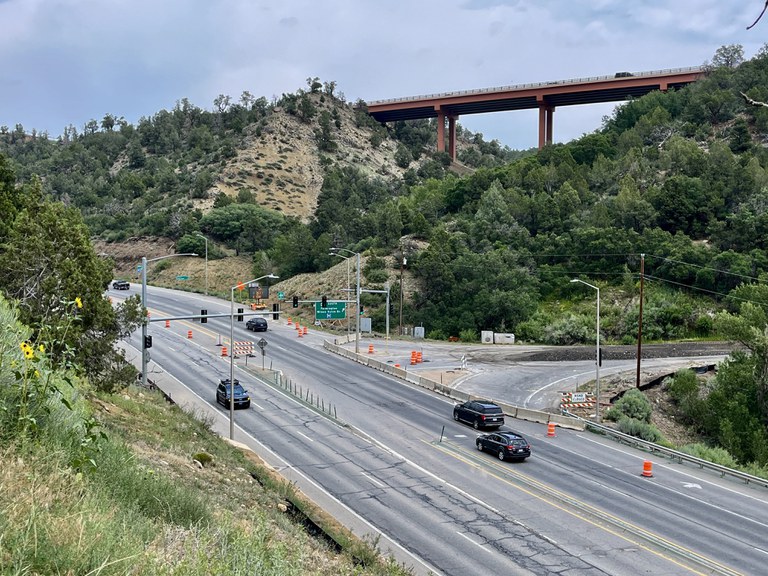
x,y
509,409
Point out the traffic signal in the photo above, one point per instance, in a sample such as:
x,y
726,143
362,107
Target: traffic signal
x,y
295,301
362,309
276,311
324,302
203,314
147,341
239,314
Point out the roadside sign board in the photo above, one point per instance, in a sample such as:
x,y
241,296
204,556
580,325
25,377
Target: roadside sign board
x,y
281,295
182,277
262,343
579,397
333,311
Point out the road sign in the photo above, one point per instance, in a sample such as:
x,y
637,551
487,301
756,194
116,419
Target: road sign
x,y
281,295
579,397
182,277
333,311
262,343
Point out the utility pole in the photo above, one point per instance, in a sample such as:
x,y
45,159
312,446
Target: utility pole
x,y
402,265
640,321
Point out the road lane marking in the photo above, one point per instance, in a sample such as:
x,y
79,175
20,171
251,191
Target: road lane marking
x,y
481,546
582,509
374,480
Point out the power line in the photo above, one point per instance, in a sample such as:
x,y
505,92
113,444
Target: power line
x,y
705,267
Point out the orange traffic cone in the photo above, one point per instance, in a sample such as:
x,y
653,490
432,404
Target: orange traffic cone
x,y
289,321
305,330
299,332
647,469
189,334
551,429
370,348
419,359
413,358
167,323
223,351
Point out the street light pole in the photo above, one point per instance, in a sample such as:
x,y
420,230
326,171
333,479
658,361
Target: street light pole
x,y
597,350
357,294
232,350
206,261
144,359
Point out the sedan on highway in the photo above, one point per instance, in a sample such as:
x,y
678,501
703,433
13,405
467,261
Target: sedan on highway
x,y
242,399
506,445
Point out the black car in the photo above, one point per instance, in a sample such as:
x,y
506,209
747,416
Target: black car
x,y
506,445
242,399
121,285
257,324
479,413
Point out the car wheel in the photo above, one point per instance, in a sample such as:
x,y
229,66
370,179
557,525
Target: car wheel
x,y
501,455
479,445
476,425
247,405
455,415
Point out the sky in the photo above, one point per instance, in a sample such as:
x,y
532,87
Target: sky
x,y
65,62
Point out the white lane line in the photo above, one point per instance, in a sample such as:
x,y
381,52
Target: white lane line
x,y
532,394
257,406
473,542
374,480
304,435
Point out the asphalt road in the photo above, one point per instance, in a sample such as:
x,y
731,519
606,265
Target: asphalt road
x,y
395,463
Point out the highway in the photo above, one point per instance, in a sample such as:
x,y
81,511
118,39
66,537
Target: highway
x,y
396,463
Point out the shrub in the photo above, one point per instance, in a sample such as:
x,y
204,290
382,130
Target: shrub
x,y
683,385
711,454
437,334
468,335
639,429
633,404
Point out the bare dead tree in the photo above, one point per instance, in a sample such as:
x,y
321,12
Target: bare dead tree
x,y
761,15
753,102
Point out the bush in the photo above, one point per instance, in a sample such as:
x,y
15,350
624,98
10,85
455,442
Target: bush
x,y
437,334
639,429
683,385
717,455
633,404
468,335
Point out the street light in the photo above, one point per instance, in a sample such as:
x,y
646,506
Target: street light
x,y
232,350
357,294
206,260
597,350
144,263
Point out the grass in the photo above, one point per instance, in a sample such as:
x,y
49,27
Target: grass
x,y
165,496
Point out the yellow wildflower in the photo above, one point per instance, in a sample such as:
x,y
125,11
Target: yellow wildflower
x,y
29,353
41,347
78,302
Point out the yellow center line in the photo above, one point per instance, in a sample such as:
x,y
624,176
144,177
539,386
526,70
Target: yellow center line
x,y
491,468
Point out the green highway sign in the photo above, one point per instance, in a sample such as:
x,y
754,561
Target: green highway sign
x,y
333,311
182,277
281,295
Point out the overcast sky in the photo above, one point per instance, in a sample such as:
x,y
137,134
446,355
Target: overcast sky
x,y
68,61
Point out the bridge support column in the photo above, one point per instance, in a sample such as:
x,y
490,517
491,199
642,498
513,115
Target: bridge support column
x,y
440,130
452,137
546,113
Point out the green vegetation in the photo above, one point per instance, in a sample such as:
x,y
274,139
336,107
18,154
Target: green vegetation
x,y
679,177
109,486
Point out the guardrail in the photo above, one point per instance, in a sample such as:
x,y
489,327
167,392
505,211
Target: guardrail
x,y
566,420
673,454
413,378
671,71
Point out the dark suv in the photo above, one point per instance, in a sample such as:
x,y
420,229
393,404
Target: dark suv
x,y
242,400
506,445
479,413
257,324
121,285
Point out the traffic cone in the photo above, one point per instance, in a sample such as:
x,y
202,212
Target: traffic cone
x,y
189,334
419,359
370,348
551,429
305,330
413,358
647,469
167,323
299,333
289,321
223,351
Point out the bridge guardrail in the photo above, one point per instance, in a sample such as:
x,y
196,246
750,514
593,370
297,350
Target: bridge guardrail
x,y
532,85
